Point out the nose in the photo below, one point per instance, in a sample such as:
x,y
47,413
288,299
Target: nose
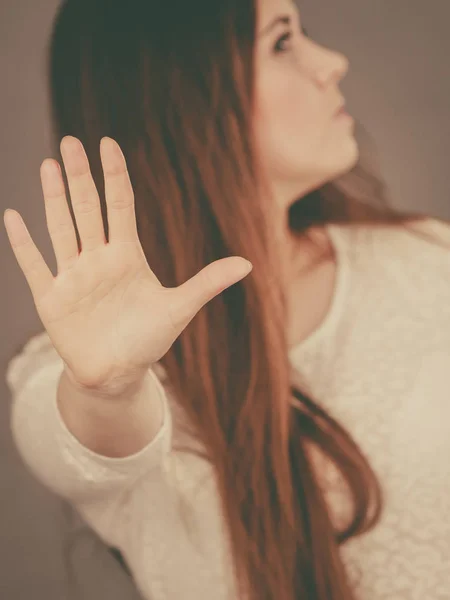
x,y
328,66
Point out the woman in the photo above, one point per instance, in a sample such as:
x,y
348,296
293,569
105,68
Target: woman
x,y
292,442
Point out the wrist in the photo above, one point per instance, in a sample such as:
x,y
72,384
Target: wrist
x,y
118,390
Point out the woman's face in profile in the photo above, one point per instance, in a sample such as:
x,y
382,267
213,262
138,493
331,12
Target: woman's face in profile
x,y
302,142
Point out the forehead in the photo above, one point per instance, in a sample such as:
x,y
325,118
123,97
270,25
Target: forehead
x,y
269,9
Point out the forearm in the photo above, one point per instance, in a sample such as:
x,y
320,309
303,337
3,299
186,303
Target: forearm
x,y
115,427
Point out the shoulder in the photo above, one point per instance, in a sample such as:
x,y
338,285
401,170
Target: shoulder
x,y
408,262
413,257
425,240
434,230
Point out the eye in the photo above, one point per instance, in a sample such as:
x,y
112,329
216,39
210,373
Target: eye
x,y
278,48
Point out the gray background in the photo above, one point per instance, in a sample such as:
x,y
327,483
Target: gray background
x,y
398,86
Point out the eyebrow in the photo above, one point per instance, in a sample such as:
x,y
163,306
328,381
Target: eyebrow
x,y
286,20
283,20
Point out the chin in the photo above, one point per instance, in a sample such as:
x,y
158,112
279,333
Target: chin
x,y
353,152
294,184
344,162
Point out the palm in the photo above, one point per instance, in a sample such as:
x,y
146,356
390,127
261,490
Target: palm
x,y
105,310
106,313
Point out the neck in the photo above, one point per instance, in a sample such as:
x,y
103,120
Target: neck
x,y
301,252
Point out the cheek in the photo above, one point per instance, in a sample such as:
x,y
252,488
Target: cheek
x,y
288,112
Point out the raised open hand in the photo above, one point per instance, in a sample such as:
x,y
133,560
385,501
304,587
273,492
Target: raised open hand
x,y
106,313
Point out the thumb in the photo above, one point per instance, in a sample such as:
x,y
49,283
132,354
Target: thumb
x,y
197,291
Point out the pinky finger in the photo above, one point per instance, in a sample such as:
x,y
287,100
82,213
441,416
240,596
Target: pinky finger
x,y
34,267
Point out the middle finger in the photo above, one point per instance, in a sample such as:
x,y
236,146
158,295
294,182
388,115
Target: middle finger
x,y
84,195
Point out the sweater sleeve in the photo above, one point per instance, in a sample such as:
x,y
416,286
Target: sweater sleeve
x,y
94,484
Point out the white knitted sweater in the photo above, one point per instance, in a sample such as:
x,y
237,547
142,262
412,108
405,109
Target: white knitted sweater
x,y
379,363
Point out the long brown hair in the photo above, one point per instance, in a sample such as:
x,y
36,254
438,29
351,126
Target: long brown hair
x,y
172,82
